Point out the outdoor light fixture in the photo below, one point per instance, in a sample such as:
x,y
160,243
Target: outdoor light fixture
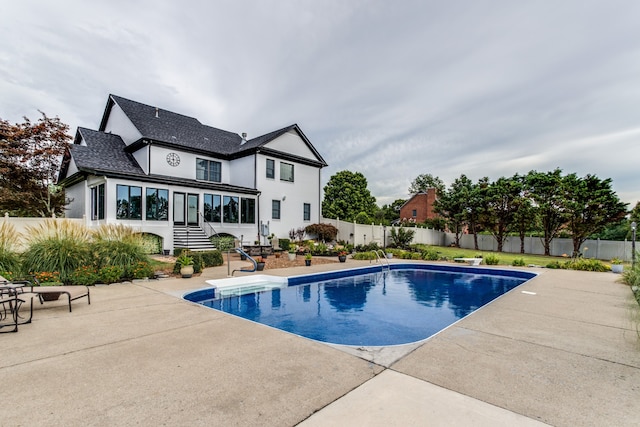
x,y
633,244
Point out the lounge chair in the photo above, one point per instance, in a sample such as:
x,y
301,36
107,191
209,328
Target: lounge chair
x,y
49,293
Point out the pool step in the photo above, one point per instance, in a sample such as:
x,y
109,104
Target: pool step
x,y
247,289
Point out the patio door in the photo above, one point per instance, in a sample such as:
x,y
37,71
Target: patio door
x,y
192,209
179,209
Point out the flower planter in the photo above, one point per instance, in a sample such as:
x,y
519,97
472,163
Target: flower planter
x,y
616,268
186,271
342,258
260,266
51,296
292,256
307,262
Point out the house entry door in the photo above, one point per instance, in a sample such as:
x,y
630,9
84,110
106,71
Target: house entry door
x,y
192,209
179,209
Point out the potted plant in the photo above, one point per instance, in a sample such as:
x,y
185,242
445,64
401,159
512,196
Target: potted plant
x,y
186,265
616,265
259,263
307,259
342,256
292,254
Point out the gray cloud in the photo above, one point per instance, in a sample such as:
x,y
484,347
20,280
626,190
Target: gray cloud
x,y
392,90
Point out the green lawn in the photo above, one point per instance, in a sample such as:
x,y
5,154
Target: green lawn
x,y
504,258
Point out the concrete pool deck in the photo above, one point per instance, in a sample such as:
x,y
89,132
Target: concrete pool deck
x,y
565,353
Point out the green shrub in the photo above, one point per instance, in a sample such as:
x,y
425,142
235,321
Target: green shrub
x,y
431,254
150,243
85,275
110,273
584,264
139,270
284,244
401,237
223,243
212,258
518,262
554,265
491,260
364,256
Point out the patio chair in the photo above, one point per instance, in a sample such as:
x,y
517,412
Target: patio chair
x,y
52,293
12,296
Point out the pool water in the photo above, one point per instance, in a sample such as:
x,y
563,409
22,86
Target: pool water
x,y
368,308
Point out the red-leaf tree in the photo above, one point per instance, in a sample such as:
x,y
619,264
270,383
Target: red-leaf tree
x,y
30,157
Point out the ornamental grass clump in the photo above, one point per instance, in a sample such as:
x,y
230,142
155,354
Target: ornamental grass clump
x,y
56,246
118,245
9,258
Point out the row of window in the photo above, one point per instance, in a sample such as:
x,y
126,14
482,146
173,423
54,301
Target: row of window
x,y
275,210
286,170
210,170
216,208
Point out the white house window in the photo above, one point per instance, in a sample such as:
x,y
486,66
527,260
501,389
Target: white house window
x,y
271,168
157,204
286,172
230,209
208,170
306,212
247,211
129,202
275,209
212,207
97,202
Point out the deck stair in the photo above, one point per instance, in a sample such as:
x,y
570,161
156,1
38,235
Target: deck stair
x,y
191,237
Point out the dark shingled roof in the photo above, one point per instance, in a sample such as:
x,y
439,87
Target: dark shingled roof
x,y
179,130
159,125
104,152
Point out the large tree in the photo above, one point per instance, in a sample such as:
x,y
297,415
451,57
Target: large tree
x,y
452,205
30,156
591,206
501,199
346,195
424,181
549,203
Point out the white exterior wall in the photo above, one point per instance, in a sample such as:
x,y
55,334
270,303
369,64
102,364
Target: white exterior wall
x,y
119,124
241,172
187,167
77,194
291,143
292,195
142,157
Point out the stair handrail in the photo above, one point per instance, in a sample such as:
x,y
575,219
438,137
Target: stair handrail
x,y
244,269
205,221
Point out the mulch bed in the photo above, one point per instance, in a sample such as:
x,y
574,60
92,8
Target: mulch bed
x,y
271,262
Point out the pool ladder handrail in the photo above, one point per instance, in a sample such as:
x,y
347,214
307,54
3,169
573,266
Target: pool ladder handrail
x,y
384,256
243,269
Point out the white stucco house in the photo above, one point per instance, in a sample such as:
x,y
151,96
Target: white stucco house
x,y
167,174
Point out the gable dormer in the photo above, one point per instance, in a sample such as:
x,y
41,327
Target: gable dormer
x,y
116,121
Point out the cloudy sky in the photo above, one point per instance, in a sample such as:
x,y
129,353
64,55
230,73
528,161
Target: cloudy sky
x,y
389,89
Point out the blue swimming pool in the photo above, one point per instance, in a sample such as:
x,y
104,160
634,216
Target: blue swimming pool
x,y
366,306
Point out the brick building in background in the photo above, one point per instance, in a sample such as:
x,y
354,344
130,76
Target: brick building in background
x,y
419,207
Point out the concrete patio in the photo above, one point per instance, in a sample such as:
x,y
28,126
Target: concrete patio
x,y
564,353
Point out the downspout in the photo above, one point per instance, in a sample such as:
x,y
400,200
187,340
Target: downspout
x,y
255,186
319,195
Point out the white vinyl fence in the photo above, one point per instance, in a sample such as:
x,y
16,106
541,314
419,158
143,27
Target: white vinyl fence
x,y
360,234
